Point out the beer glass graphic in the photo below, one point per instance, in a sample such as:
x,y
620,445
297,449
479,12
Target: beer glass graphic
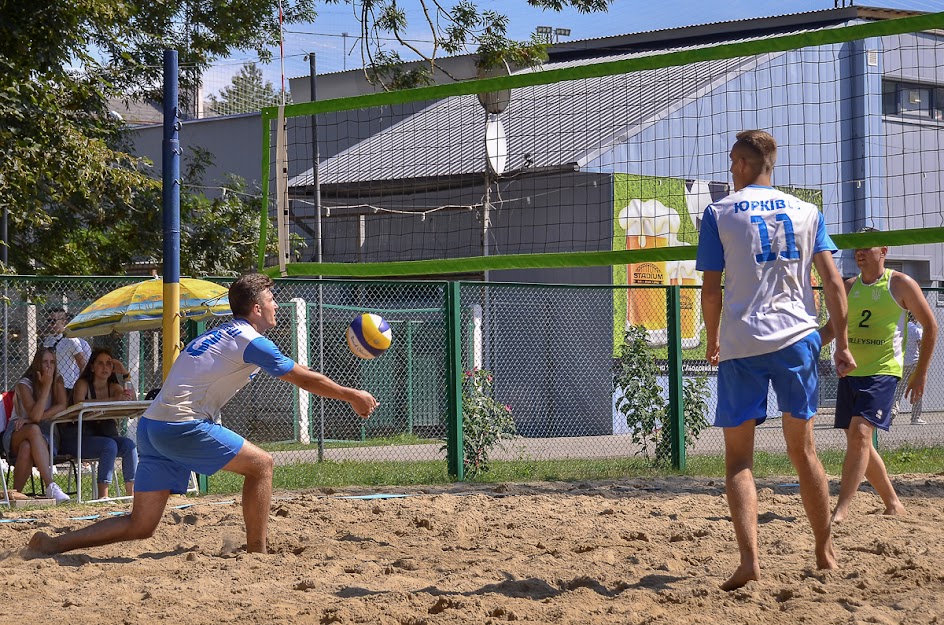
x,y
683,273
648,224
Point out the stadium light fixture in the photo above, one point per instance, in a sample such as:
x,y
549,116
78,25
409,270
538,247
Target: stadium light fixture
x,y
561,32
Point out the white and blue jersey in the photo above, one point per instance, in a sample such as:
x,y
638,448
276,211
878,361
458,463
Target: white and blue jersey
x,y
212,369
764,240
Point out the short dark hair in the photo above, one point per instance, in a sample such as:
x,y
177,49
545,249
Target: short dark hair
x,y
57,310
761,148
245,292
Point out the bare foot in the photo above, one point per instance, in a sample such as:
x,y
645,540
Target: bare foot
x,y
741,576
41,544
826,559
839,516
895,509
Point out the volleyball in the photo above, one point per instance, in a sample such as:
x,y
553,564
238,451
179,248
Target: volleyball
x,y
369,336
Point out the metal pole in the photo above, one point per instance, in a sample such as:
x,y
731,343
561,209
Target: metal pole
x,y
676,412
313,87
316,180
6,324
454,441
170,202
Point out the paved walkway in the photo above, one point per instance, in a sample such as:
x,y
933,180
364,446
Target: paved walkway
x,y
768,438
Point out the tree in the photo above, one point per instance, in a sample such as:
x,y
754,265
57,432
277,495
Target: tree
x,y
247,93
218,236
63,161
458,29
66,172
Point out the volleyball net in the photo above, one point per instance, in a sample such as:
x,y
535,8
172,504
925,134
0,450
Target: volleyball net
x,y
610,161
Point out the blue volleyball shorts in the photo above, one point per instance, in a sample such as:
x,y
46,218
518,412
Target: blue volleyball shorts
x,y
743,383
168,452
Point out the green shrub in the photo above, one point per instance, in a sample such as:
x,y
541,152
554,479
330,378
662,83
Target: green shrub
x,y
642,404
485,421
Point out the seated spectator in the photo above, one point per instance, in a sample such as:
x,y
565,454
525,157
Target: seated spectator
x,y
39,395
100,439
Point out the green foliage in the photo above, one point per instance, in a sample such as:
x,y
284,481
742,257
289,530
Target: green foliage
x,y
640,400
63,161
247,93
458,29
695,411
485,421
641,403
218,236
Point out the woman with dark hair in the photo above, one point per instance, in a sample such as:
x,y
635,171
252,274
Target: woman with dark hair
x,y
40,394
100,439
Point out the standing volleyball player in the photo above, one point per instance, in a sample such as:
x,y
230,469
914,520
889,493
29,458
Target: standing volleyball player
x,y
181,432
879,300
764,242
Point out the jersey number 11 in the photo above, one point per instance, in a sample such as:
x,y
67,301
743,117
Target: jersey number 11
x,y
766,255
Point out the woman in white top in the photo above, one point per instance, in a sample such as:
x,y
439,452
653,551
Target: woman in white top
x,y
40,394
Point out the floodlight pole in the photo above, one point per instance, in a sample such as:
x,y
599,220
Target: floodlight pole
x,y
316,182
170,203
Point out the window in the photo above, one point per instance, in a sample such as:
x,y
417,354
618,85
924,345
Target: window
x,y
889,97
912,100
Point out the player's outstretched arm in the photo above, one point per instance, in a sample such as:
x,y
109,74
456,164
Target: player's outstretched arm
x,y
362,402
837,306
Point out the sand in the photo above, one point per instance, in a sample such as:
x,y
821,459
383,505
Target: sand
x,y
627,551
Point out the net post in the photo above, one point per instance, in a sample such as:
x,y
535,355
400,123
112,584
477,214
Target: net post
x,y
454,443
676,413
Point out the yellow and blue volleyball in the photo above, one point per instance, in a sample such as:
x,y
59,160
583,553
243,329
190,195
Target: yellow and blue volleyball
x,y
369,336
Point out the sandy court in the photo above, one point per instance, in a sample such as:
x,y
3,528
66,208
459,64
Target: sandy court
x,y
626,551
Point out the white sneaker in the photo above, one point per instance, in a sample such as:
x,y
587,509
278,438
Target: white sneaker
x,y
54,492
918,421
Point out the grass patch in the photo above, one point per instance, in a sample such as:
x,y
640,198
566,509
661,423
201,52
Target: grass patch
x,y
356,473
348,473
905,459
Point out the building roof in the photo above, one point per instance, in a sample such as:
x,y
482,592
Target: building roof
x,y
136,113
418,148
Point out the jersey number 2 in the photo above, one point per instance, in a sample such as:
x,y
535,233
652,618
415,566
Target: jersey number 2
x,y
766,255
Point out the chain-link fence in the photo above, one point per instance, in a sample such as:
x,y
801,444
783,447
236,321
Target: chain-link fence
x,y
554,354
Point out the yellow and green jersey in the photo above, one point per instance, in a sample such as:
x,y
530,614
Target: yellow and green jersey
x,y
877,328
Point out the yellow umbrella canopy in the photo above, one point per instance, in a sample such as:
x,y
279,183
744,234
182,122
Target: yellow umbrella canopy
x,y
141,307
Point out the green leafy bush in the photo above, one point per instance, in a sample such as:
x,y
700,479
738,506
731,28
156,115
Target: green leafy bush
x,y
485,421
641,402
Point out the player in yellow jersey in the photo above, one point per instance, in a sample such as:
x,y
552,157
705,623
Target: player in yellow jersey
x,y
879,300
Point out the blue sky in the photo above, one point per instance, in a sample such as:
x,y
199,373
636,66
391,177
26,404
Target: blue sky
x,y
334,52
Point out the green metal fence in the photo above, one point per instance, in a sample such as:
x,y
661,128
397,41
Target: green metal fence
x,y
550,349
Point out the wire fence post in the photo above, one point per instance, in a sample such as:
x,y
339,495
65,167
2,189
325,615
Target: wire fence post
x,y
676,415
454,443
